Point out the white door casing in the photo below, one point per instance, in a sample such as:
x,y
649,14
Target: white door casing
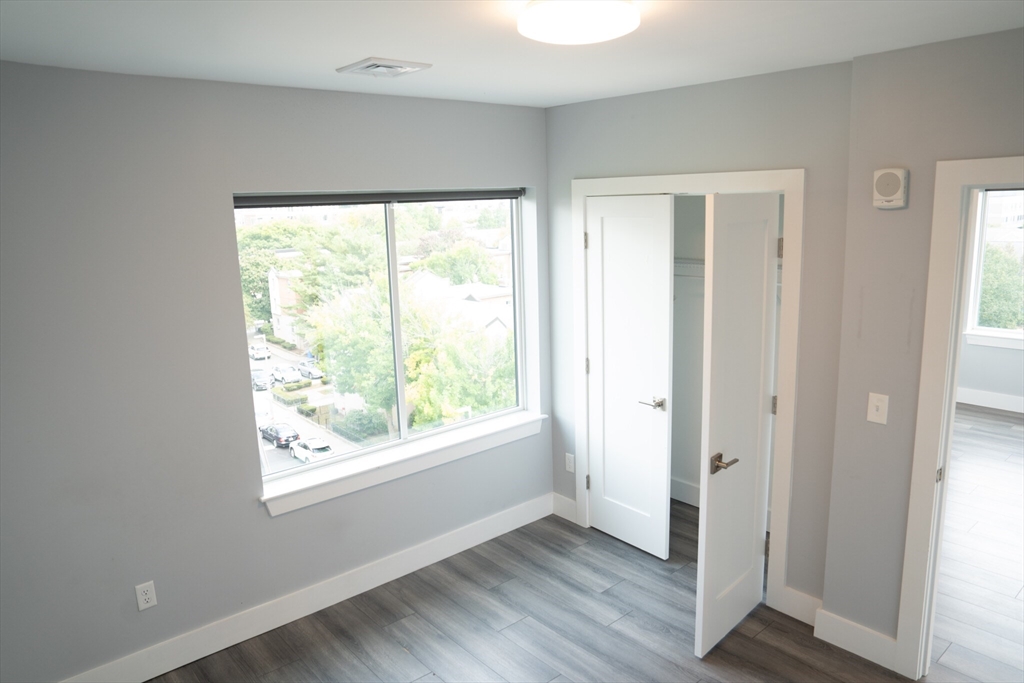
x,y
741,277
629,330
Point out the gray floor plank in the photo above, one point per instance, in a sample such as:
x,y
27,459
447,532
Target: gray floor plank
x,y
481,603
639,661
295,672
388,660
980,617
673,610
429,678
981,642
499,653
445,658
971,663
601,608
560,562
822,656
223,666
478,569
941,674
556,534
562,654
381,606
325,655
939,647
980,596
771,659
264,653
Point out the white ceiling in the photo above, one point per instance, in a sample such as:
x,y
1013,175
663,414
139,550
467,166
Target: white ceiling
x,y
473,45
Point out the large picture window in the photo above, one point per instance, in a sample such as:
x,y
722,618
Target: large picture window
x,y
996,304
377,319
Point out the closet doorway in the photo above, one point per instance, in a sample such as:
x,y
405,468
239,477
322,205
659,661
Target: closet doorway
x,y
624,276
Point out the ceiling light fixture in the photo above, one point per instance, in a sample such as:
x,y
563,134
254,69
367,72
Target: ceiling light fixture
x,y
578,22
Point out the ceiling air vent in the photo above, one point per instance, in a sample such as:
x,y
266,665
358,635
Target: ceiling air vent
x,y
382,68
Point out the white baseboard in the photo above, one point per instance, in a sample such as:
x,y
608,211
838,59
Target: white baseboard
x,y
798,605
205,640
990,399
564,507
860,640
685,492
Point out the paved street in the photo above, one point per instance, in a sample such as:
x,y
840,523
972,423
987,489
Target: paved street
x,y
278,459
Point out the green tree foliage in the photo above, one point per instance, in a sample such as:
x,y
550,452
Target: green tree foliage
x,y
462,263
355,333
1001,303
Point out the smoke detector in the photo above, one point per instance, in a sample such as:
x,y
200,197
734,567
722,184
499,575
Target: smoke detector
x,y
382,68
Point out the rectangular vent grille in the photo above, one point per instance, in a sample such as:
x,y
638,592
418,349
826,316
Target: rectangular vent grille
x,y
382,68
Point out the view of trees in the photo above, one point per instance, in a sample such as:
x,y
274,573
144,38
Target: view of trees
x,y
458,350
1001,302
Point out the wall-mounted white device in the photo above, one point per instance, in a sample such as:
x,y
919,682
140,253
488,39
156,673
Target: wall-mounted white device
x,y
891,188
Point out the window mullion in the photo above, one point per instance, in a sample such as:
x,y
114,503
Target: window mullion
x,y
396,320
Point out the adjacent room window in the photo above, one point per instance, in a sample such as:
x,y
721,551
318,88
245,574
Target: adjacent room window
x,y
996,305
374,319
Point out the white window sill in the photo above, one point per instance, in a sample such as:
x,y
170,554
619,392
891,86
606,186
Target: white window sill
x,y
314,486
1004,341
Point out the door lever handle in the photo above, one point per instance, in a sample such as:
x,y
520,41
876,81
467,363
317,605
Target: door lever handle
x,y
717,464
658,403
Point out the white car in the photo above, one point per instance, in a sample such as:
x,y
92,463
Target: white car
x,y
259,352
308,368
308,450
286,374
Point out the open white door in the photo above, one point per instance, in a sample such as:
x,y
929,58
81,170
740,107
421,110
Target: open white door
x,y
740,275
629,331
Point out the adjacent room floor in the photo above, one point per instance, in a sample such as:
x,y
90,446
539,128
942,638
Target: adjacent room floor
x,y
548,602
979,612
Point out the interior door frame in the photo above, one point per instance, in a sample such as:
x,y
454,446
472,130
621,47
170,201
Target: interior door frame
x,y
948,265
790,182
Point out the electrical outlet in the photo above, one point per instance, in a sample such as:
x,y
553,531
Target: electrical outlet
x,y
145,593
570,462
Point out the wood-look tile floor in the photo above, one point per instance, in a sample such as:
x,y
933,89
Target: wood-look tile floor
x,y
979,612
548,602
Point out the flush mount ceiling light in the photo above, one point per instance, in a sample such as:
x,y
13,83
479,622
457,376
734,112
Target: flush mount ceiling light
x,y
578,22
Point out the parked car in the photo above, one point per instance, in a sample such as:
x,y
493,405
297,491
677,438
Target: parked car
x,y
261,380
280,434
308,368
311,449
259,352
286,374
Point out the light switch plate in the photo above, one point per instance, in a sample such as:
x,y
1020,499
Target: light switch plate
x,y
878,408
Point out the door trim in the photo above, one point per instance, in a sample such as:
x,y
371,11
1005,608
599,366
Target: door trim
x,y
790,182
936,396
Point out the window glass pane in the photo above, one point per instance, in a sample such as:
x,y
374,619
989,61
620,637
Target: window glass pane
x,y
1001,296
458,310
318,315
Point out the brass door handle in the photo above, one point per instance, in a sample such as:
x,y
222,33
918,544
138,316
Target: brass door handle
x,y
717,464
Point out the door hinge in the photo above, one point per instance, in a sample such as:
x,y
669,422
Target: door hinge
x,y
767,547
938,475
586,240
775,405
780,247
588,366
588,482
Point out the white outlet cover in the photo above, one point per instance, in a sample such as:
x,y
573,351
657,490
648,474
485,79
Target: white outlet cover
x,y
878,408
145,594
570,462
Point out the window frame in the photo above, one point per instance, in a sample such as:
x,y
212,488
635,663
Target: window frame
x,y
314,482
973,333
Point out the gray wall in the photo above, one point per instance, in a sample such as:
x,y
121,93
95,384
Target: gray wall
x,y
794,119
961,99
127,451
991,368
